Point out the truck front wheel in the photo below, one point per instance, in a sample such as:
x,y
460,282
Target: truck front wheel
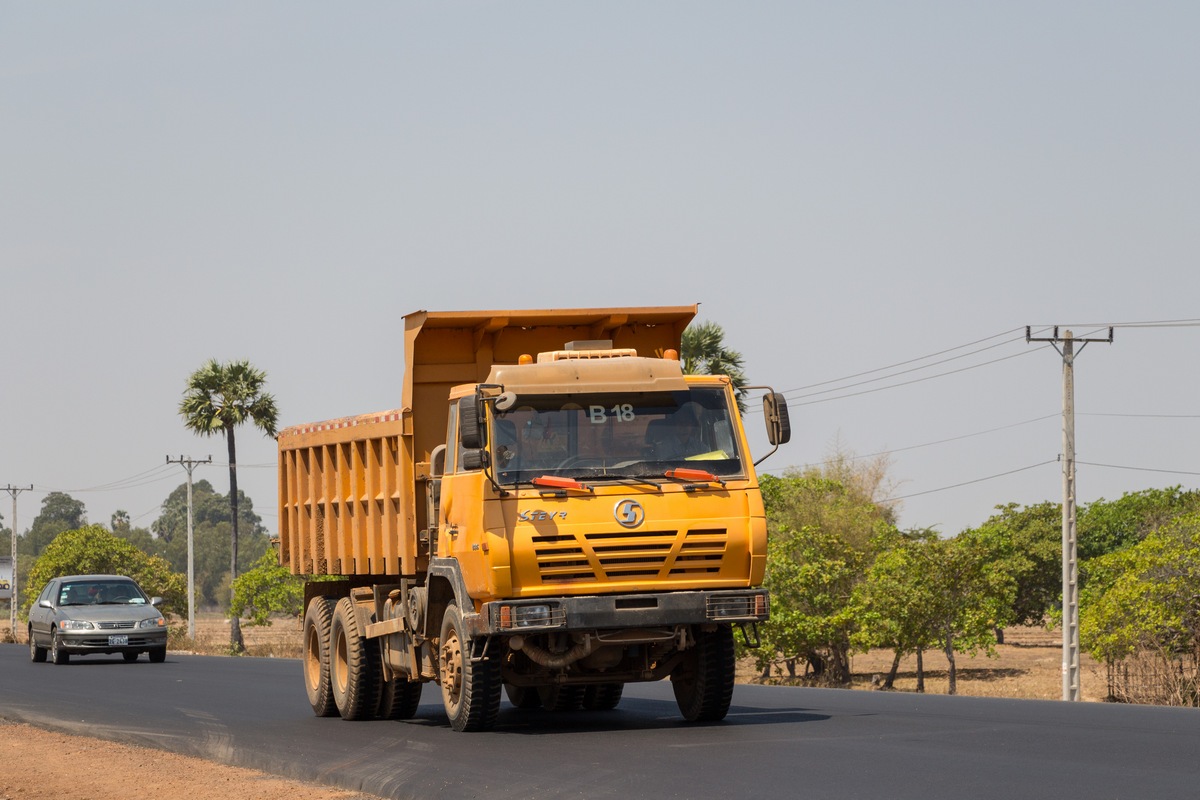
x,y
703,681
354,670
470,689
318,618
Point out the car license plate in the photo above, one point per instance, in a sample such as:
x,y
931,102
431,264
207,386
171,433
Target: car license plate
x,y
118,641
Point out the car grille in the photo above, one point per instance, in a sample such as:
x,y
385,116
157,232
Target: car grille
x,y
113,626
101,643
614,557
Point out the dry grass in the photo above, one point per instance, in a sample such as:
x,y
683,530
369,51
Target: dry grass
x,y
281,639
1028,666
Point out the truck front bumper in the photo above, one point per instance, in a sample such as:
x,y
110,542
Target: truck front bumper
x,y
598,612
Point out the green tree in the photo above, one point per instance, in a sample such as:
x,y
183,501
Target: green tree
x,y
60,512
1109,525
973,596
1145,597
897,600
265,589
92,549
704,353
1025,542
218,398
822,522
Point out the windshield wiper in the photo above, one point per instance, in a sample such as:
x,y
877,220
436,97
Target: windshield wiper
x,y
698,478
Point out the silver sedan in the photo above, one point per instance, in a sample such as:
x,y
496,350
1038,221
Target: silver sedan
x,y
84,614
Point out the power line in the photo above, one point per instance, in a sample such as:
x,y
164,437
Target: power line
x,y
933,443
968,483
913,361
1159,323
1144,416
1139,469
908,383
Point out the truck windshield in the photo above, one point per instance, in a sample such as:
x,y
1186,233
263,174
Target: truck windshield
x,y
619,435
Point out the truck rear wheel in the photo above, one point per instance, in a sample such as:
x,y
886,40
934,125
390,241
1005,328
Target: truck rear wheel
x,y
318,618
557,697
523,697
703,681
603,696
399,698
354,669
470,689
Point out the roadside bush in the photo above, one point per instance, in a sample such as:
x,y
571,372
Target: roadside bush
x,y
95,550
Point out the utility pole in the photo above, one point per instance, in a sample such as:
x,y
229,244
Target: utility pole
x,y
1070,563
14,491
189,464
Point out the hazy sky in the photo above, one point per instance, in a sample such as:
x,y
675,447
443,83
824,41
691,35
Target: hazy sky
x,y
845,187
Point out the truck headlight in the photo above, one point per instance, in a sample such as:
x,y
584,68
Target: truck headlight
x,y
535,615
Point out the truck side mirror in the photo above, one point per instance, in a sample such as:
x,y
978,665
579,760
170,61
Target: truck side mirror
x,y
775,412
470,432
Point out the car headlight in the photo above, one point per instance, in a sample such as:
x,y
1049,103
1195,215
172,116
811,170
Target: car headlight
x,y
156,622
76,625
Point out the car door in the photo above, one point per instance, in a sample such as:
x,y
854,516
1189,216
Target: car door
x,y
39,616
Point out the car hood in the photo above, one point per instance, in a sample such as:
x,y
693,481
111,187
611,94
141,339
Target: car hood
x,y
110,613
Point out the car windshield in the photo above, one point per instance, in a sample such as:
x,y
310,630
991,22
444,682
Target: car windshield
x,y
101,592
615,436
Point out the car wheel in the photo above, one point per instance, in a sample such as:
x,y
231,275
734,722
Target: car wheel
x,y
36,654
157,654
57,654
130,657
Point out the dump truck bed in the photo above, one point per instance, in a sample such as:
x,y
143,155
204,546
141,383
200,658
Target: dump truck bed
x,y
352,490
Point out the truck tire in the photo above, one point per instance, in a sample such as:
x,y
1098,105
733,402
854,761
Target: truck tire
x,y
556,697
523,697
470,689
399,698
354,670
603,696
703,681
318,618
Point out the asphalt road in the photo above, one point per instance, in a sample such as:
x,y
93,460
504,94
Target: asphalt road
x,y
776,742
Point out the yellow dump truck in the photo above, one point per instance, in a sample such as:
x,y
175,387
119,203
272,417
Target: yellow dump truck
x,y
555,510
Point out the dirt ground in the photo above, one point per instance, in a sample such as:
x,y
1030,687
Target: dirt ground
x,y
1028,666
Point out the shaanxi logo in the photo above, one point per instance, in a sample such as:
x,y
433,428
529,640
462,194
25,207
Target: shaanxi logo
x,y
629,513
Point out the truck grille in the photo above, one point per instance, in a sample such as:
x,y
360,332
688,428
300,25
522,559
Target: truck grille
x,y
619,556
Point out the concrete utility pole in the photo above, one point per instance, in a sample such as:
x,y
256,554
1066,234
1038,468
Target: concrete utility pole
x,y
1070,564
189,464
14,491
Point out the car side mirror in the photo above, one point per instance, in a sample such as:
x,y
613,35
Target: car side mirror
x,y
45,604
156,601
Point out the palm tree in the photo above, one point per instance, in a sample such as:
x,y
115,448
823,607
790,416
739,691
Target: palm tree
x,y
218,398
705,353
